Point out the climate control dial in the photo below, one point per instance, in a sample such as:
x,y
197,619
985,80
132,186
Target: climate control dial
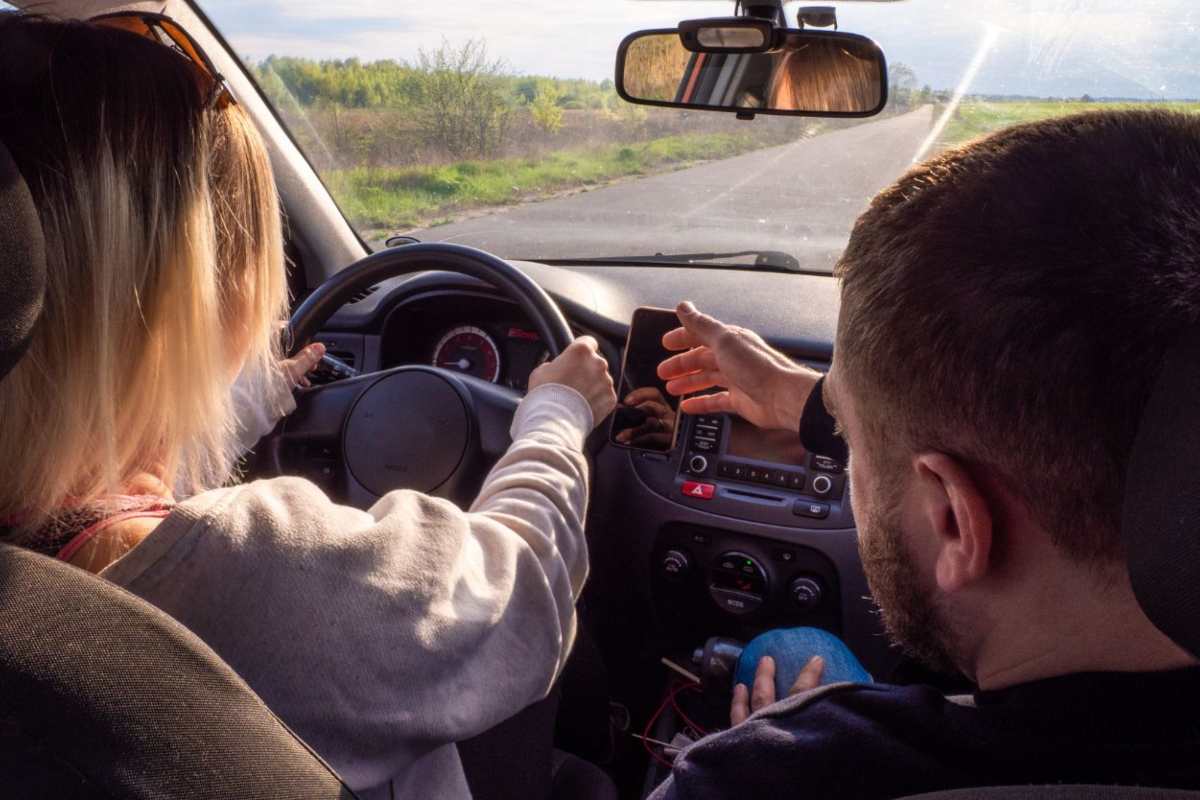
x,y
738,582
675,565
806,591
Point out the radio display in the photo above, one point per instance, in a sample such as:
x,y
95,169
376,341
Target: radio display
x,y
775,446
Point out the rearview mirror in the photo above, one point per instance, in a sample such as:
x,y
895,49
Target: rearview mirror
x,y
753,69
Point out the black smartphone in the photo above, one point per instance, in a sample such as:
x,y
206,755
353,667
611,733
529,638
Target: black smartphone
x,y
647,417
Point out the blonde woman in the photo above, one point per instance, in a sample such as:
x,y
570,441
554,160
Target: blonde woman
x,y
381,636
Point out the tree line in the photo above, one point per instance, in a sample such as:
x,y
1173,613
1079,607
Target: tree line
x,y
456,96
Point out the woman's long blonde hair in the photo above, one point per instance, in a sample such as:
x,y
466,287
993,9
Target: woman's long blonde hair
x,y
825,76
165,267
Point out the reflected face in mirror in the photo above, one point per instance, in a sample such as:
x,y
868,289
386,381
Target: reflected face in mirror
x,y
810,73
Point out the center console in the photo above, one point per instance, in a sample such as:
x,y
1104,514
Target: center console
x,y
714,579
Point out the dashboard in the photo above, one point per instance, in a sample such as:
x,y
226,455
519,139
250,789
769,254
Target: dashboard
x,y
735,531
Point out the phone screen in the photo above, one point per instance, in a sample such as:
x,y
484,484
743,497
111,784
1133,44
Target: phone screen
x,y
647,416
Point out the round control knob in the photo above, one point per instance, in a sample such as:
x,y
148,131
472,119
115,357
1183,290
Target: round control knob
x,y
738,582
806,592
822,485
675,565
697,465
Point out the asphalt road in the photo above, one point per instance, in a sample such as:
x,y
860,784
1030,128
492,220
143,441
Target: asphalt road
x,y
800,198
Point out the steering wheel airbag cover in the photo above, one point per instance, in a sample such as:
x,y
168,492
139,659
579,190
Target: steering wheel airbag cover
x,y
410,430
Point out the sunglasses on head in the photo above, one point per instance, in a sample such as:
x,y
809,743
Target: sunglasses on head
x,y
818,428
165,31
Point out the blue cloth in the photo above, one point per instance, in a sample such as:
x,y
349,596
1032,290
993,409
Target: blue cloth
x,y
792,648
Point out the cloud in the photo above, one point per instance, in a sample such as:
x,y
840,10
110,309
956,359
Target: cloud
x,y
1048,47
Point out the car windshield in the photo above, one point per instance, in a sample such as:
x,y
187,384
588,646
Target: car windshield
x,y
497,124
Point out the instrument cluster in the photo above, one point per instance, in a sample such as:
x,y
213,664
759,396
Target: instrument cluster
x,y
469,333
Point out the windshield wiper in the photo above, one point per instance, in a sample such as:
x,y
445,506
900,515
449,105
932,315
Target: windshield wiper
x,y
764,261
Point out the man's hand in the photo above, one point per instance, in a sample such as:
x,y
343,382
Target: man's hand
x,y
759,383
582,368
747,701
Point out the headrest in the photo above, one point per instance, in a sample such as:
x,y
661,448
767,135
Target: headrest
x,y
22,263
1161,511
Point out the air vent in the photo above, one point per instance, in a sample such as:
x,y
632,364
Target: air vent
x,y
363,295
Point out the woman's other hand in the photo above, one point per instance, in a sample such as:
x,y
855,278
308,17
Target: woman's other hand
x,y
582,368
298,367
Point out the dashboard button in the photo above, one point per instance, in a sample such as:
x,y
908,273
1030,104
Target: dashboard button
x,y
795,480
699,491
807,508
756,474
826,463
697,465
706,445
822,485
735,602
779,477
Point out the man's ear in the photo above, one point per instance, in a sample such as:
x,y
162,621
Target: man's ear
x,y
959,516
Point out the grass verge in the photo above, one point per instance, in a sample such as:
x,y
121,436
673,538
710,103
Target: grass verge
x,y
409,197
978,117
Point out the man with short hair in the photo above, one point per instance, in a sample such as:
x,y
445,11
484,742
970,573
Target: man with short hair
x,y
1005,311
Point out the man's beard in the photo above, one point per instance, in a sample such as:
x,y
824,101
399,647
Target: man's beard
x,y
911,615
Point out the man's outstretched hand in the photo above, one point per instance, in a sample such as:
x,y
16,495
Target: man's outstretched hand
x,y
757,382
746,700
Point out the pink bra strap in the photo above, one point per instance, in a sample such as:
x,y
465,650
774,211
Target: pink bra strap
x,y
87,534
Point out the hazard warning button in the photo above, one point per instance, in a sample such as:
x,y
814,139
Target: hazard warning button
x,y
700,491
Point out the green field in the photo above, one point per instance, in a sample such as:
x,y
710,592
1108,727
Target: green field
x,y
977,117
395,198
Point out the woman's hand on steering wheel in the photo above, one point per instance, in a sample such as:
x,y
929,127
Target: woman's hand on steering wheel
x,y
582,368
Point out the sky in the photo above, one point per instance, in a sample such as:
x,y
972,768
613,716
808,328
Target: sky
x,y
1106,48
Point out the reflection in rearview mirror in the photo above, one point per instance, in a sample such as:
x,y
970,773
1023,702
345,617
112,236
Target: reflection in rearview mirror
x,y
730,37
811,73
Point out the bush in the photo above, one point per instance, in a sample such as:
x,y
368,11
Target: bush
x,y
544,108
464,105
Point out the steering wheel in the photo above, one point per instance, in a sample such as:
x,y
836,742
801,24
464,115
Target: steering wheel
x,y
413,427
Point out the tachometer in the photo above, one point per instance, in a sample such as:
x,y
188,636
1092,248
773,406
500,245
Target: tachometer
x,y
468,349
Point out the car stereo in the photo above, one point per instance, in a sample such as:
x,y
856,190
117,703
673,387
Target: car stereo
x,y
725,465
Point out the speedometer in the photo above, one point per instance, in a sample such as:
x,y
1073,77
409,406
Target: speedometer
x,y
468,349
